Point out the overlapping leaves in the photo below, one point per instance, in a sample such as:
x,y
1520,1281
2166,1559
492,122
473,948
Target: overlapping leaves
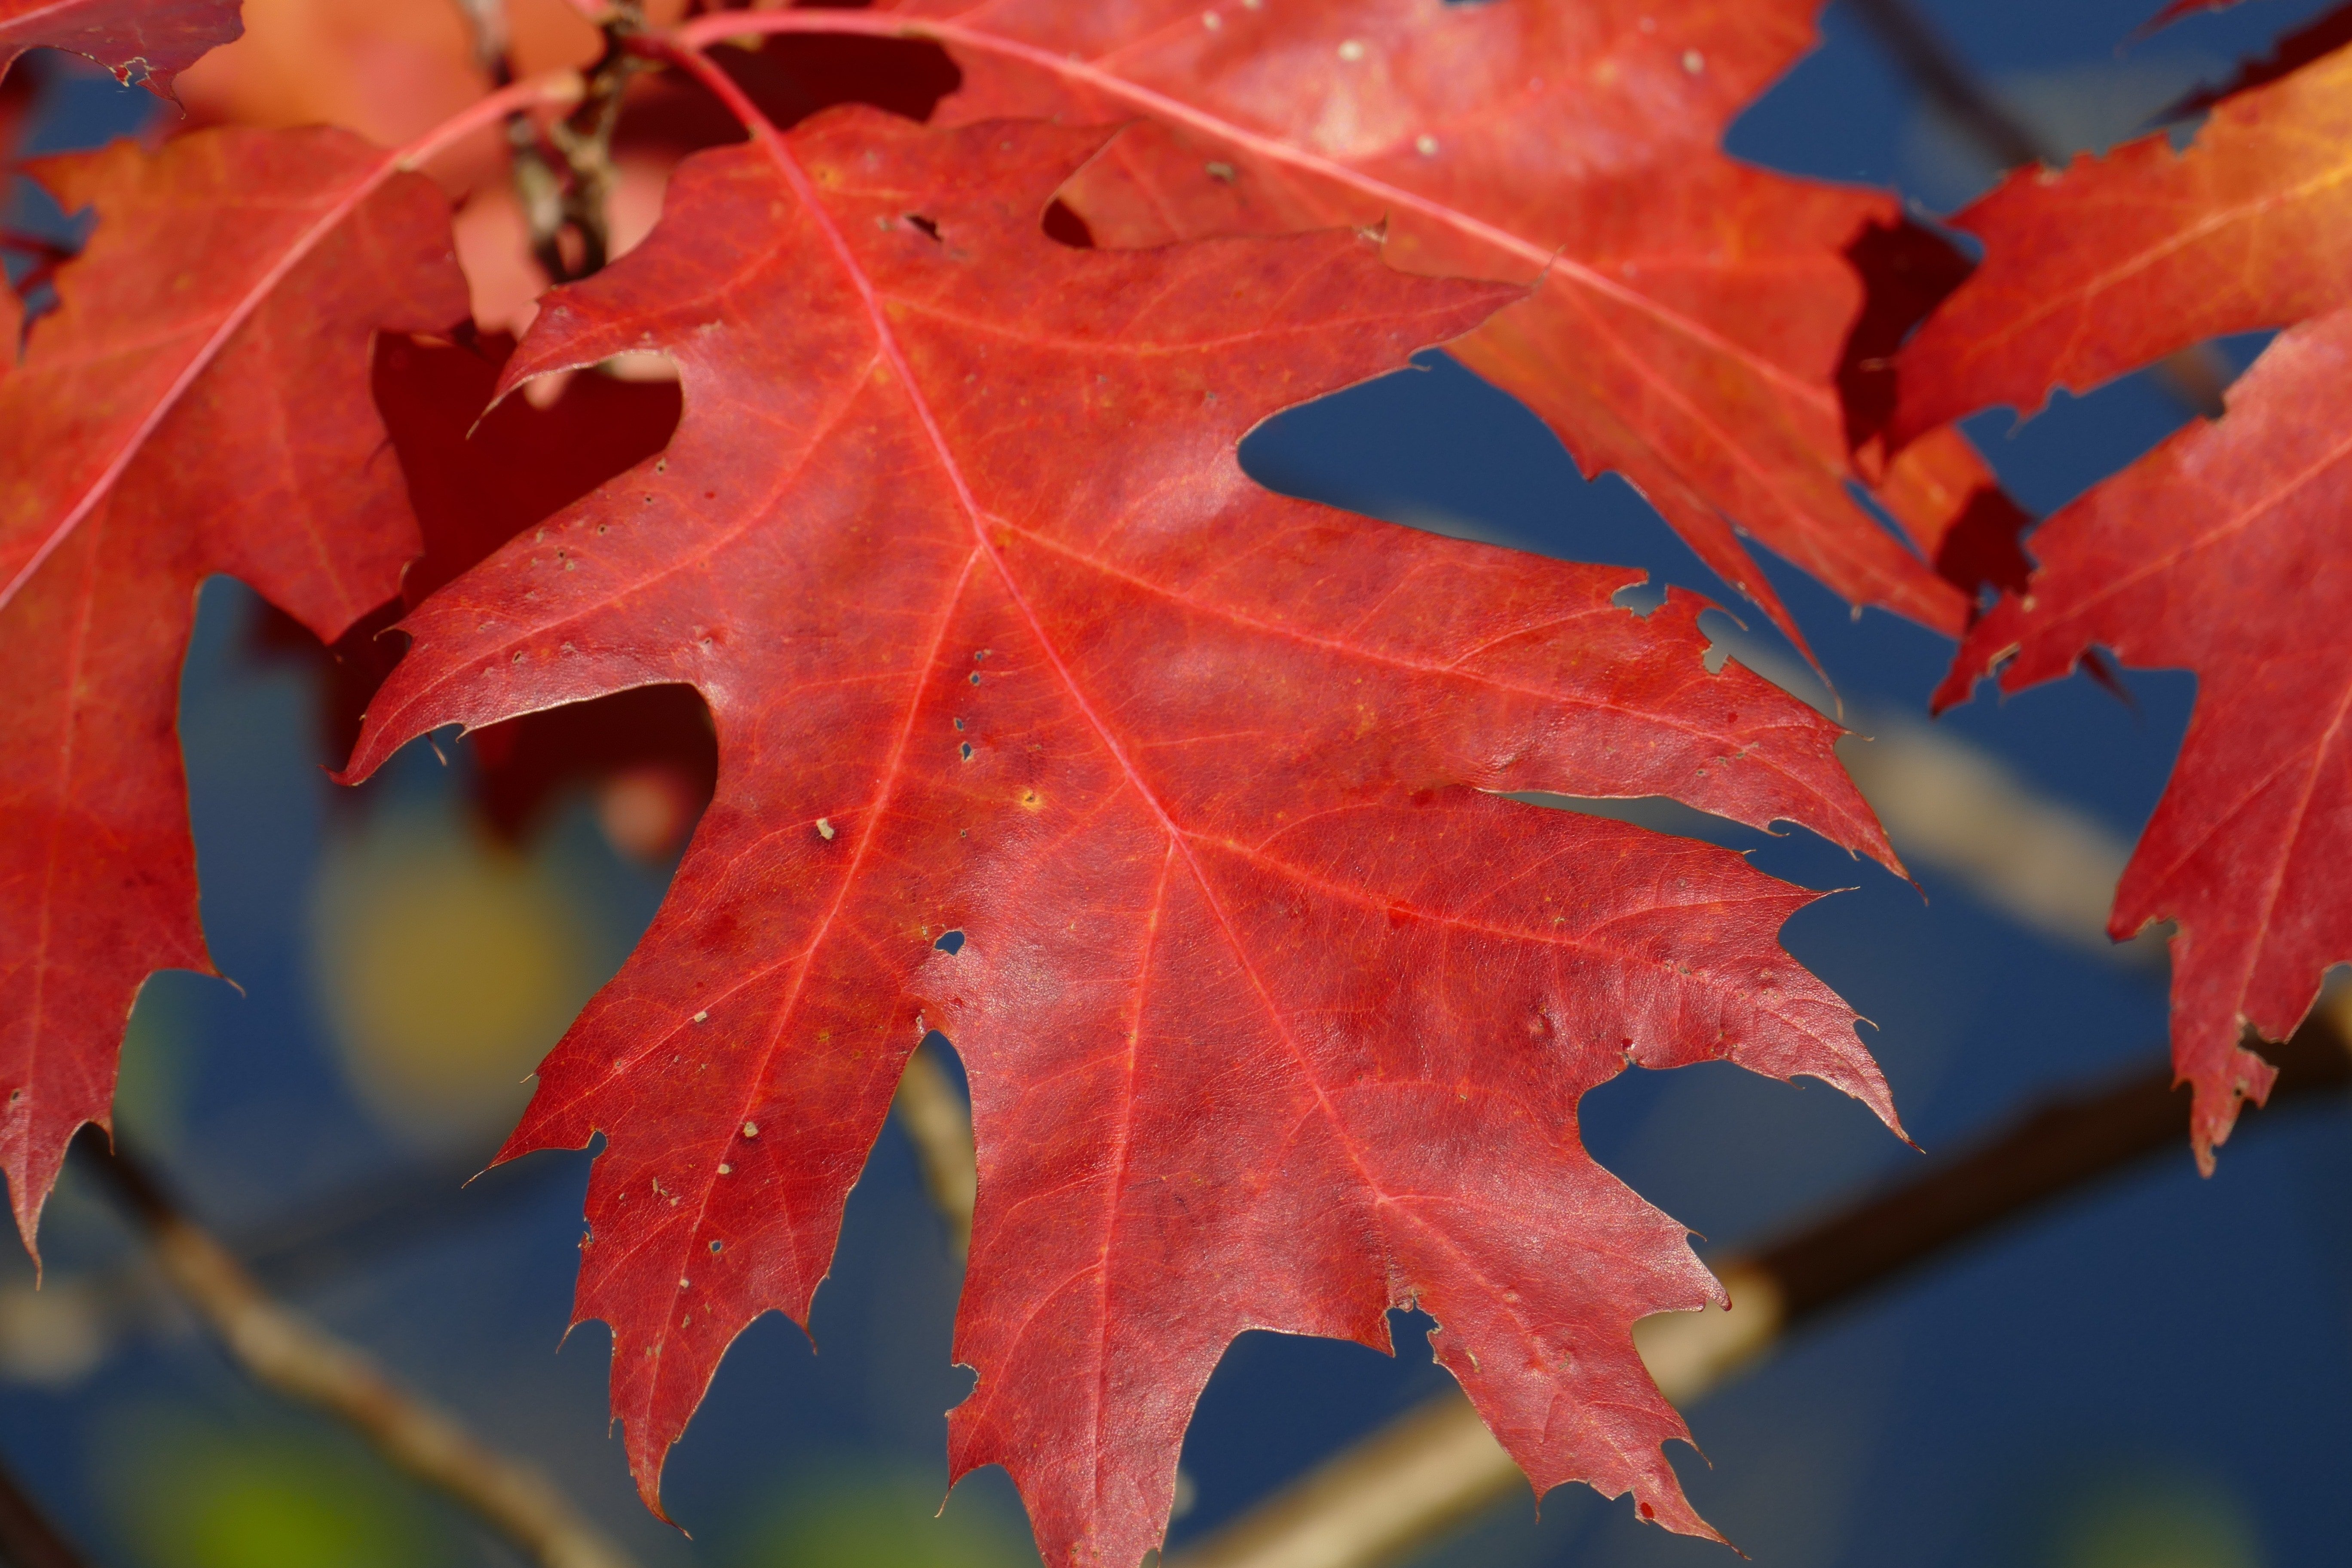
x,y
1255,972
2221,551
1276,1013
197,404
1685,313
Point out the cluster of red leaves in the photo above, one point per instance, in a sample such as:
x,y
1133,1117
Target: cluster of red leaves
x,y
2221,551
1276,1013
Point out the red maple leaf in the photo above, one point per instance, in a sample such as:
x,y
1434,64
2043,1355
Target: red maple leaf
x,y
2215,552
1685,311
2125,259
1276,1014
155,39
2222,551
198,403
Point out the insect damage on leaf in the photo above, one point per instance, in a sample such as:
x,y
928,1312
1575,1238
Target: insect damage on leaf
x,y
152,40
1276,1014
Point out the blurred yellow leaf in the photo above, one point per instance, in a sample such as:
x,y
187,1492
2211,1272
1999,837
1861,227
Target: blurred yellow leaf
x,y
447,966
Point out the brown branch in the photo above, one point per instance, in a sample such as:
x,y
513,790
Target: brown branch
x,y
293,1355
1436,1467
939,1123
27,1539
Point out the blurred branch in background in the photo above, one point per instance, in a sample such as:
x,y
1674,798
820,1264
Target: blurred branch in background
x,y
54,1335
1956,807
286,1352
2008,140
27,1539
1436,1467
1949,804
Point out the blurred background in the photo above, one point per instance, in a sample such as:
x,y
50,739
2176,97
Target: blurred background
x,y
2155,1374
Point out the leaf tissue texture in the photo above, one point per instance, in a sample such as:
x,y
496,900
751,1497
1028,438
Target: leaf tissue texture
x,y
2122,259
1685,311
2222,551
1275,1016
195,405
158,38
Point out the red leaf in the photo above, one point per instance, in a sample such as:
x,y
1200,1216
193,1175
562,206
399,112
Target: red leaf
x,y
155,38
2122,260
476,483
1687,310
2321,36
198,403
477,479
2222,551
1276,1017
1943,495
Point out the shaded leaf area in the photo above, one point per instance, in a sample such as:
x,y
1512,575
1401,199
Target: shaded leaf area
x,y
153,40
1276,1015
476,480
197,404
1938,490
2222,551
1685,312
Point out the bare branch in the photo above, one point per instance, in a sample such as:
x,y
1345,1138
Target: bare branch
x,y
1436,1467
294,1356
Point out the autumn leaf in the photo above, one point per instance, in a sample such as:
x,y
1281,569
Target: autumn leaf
x,y
2125,259
155,39
1685,311
1174,802
2293,51
2222,552
198,403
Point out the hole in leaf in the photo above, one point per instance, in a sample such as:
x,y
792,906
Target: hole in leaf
x,y
950,943
931,227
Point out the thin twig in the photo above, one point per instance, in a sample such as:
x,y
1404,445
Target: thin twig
x,y
2196,377
939,1123
294,1356
564,172
1436,1467
27,1539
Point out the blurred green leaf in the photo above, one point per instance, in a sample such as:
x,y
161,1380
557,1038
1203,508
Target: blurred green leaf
x,y
191,1495
884,1518
2182,1526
